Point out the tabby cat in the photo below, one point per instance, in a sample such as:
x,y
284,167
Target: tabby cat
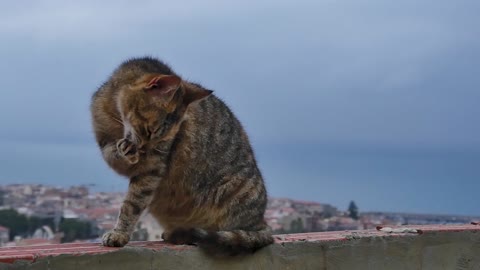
x,y
187,157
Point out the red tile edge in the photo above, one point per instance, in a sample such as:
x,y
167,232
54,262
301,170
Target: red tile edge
x,y
32,253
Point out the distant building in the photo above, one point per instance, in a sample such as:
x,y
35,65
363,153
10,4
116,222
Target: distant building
x,y
343,223
4,235
43,232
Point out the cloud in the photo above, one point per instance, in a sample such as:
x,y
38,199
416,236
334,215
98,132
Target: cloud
x,y
352,71
107,19
333,93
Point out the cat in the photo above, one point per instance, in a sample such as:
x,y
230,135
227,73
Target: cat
x,y
187,157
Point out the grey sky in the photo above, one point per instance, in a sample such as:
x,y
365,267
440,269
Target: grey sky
x,y
353,74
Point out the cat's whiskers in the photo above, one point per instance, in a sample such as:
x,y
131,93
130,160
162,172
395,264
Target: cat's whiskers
x,y
161,151
118,120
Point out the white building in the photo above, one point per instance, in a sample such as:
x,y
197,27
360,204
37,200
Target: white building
x,y
4,232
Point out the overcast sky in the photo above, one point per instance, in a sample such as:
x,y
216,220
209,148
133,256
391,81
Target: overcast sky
x,y
343,99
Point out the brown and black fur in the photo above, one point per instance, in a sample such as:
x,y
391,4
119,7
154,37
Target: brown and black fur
x,y
187,156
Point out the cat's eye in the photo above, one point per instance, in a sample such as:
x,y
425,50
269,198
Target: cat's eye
x,y
169,119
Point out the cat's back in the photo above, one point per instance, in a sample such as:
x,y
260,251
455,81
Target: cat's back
x,y
215,125
212,172
214,138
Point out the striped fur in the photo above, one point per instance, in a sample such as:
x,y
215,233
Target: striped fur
x,y
187,156
223,243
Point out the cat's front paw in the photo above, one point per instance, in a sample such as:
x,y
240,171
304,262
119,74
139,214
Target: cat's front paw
x,y
115,239
128,150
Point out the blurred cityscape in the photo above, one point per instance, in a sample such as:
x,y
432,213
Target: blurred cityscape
x,y
40,214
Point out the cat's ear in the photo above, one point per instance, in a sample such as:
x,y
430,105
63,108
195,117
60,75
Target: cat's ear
x,y
194,94
163,86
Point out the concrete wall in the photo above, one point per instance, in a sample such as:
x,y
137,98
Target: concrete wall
x,y
436,250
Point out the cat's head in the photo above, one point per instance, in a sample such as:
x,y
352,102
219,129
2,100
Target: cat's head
x,y
154,106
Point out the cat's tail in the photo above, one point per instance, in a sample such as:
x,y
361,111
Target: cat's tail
x,y
227,243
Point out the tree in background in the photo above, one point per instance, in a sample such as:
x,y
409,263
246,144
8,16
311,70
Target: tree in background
x,y
37,222
296,226
22,225
353,210
75,229
17,223
2,197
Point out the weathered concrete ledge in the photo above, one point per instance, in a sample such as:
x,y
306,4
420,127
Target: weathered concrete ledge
x,y
413,247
